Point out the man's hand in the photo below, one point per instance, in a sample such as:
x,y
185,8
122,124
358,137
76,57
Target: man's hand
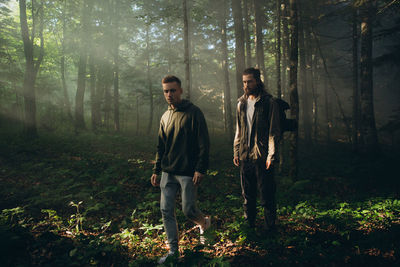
x,y
236,161
154,181
197,177
268,164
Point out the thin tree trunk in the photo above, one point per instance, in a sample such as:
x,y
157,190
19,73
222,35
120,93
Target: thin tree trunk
x,y
116,68
137,115
285,48
306,116
327,113
67,104
227,87
81,83
312,59
368,127
150,86
186,48
278,50
258,14
31,68
94,107
355,80
247,8
294,97
239,44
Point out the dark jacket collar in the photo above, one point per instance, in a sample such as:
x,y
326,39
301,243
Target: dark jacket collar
x,y
184,105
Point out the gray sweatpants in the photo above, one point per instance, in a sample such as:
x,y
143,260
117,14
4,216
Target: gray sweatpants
x,y
169,186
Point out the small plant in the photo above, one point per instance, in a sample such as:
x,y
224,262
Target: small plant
x,y
76,220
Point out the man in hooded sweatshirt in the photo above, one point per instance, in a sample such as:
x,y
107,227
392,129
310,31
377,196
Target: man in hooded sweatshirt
x,y
182,161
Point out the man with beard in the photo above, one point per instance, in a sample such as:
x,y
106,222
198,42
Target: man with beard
x,y
255,147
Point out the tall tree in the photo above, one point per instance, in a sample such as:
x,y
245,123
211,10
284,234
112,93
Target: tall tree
x,y
285,47
305,96
368,128
81,83
225,64
116,19
294,97
148,78
186,48
355,120
67,104
258,14
247,8
31,66
239,44
278,49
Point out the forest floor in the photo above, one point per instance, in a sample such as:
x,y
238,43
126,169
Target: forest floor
x,y
87,200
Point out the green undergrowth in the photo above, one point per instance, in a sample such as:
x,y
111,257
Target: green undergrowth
x,y
87,200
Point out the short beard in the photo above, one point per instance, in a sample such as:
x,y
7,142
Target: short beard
x,y
255,92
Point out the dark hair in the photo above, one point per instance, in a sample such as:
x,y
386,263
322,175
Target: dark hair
x,y
257,76
255,72
171,79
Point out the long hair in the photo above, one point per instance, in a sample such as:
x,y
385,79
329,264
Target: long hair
x,y
257,76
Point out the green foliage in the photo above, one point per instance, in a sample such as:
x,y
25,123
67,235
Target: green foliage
x,y
87,200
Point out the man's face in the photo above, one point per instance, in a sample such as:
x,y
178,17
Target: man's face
x,y
172,93
249,84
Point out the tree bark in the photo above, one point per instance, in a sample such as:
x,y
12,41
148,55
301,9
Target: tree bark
x,y
285,48
278,50
294,97
239,47
247,8
368,128
67,104
150,86
94,104
258,14
81,83
31,67
116,67
227,87
186,48
356,100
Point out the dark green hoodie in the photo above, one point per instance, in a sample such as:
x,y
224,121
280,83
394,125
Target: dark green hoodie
x,y
183,142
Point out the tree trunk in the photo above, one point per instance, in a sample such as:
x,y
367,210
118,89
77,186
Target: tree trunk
x,y
239,44
311,61
81,83
328,120
148,74
116,68
278,50
227,87
306,116
356,100
368,128
94,105
31,68
247,8
67,104
186,48
258,14
294,97
285,48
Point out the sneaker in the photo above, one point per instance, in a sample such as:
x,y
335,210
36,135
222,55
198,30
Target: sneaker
x,y
203,229
170,255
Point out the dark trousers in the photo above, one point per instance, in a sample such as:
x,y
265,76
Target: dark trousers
x,y
255,177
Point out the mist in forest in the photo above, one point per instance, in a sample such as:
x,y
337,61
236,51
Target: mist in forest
x,y
72,66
